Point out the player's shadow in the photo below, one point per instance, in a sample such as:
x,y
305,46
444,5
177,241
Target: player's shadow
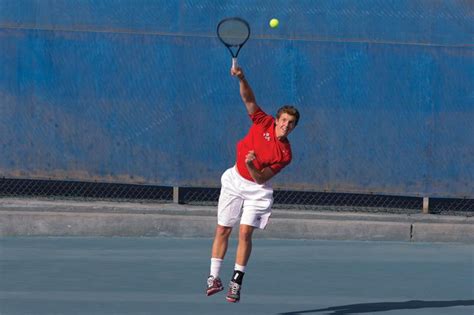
x,y
382,307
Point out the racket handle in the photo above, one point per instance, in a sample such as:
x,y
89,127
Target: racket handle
x,y
234,63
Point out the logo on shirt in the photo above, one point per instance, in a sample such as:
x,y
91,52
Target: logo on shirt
x,y
266,135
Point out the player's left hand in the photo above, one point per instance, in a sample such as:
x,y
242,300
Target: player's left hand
x,y
250,157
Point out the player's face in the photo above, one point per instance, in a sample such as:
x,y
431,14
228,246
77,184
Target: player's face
x,y
284,125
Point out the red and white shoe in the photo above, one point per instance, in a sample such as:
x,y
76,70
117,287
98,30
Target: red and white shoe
x,y
214,285
233,295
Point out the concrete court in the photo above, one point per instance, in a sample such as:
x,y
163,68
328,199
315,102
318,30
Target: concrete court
x,y
160,275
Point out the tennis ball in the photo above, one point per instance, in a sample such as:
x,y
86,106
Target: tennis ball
x,y
274,23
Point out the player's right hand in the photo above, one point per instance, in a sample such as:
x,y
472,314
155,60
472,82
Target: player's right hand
x,y
237,72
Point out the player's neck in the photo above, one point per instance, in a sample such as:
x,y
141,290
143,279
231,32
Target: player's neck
x,y
279,135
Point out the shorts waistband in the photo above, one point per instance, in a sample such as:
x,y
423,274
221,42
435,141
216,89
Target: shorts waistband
x,y
245,180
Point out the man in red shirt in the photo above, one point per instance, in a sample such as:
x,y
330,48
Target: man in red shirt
x,y
245,193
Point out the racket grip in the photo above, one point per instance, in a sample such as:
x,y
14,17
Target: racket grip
x,y
234,63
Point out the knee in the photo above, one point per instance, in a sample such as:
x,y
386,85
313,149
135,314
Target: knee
x,y
245,233
223,231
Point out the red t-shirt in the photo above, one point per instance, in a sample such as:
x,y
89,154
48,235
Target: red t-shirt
x,y
269,151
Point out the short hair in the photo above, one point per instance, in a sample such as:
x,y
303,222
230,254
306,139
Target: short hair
x,y
290,110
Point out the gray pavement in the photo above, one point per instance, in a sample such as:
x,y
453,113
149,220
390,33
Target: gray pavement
x,y
30,217
163,275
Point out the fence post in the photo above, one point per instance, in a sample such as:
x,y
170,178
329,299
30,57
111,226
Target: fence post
x,y
176,198
426,205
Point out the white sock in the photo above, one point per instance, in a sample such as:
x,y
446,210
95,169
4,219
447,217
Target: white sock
x,y
215,267
239,268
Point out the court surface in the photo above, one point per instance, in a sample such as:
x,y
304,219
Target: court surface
x,y
167,276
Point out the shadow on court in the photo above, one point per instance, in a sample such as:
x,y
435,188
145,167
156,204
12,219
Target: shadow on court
x,y
383,307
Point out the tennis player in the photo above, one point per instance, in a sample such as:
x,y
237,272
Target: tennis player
x,y
246,195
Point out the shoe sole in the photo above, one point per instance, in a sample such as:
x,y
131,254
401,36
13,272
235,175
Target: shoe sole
x,y
231,300
214,291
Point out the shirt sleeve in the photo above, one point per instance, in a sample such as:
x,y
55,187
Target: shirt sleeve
x,y
259,117
277,167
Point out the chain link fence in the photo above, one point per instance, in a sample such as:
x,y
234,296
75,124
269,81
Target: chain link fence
x,y
83,190
205,196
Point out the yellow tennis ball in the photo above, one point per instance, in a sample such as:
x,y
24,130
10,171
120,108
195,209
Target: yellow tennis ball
x,y
274,23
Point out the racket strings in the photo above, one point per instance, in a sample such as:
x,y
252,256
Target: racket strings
x,y
233,32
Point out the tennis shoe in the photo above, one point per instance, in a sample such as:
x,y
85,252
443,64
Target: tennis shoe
x,y
233,295
214,285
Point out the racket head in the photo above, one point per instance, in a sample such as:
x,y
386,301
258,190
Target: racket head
x,y
233,32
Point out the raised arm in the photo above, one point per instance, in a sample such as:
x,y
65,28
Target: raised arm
x,y
245,90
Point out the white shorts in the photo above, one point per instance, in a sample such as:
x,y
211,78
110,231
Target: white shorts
x,y
243,199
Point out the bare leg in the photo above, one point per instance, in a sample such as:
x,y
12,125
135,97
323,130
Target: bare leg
x,y
245,244
221,241
219,248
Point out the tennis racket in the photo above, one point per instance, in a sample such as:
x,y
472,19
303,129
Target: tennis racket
x,y
233,33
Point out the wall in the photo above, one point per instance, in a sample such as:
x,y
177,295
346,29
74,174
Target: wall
x,y
139,91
